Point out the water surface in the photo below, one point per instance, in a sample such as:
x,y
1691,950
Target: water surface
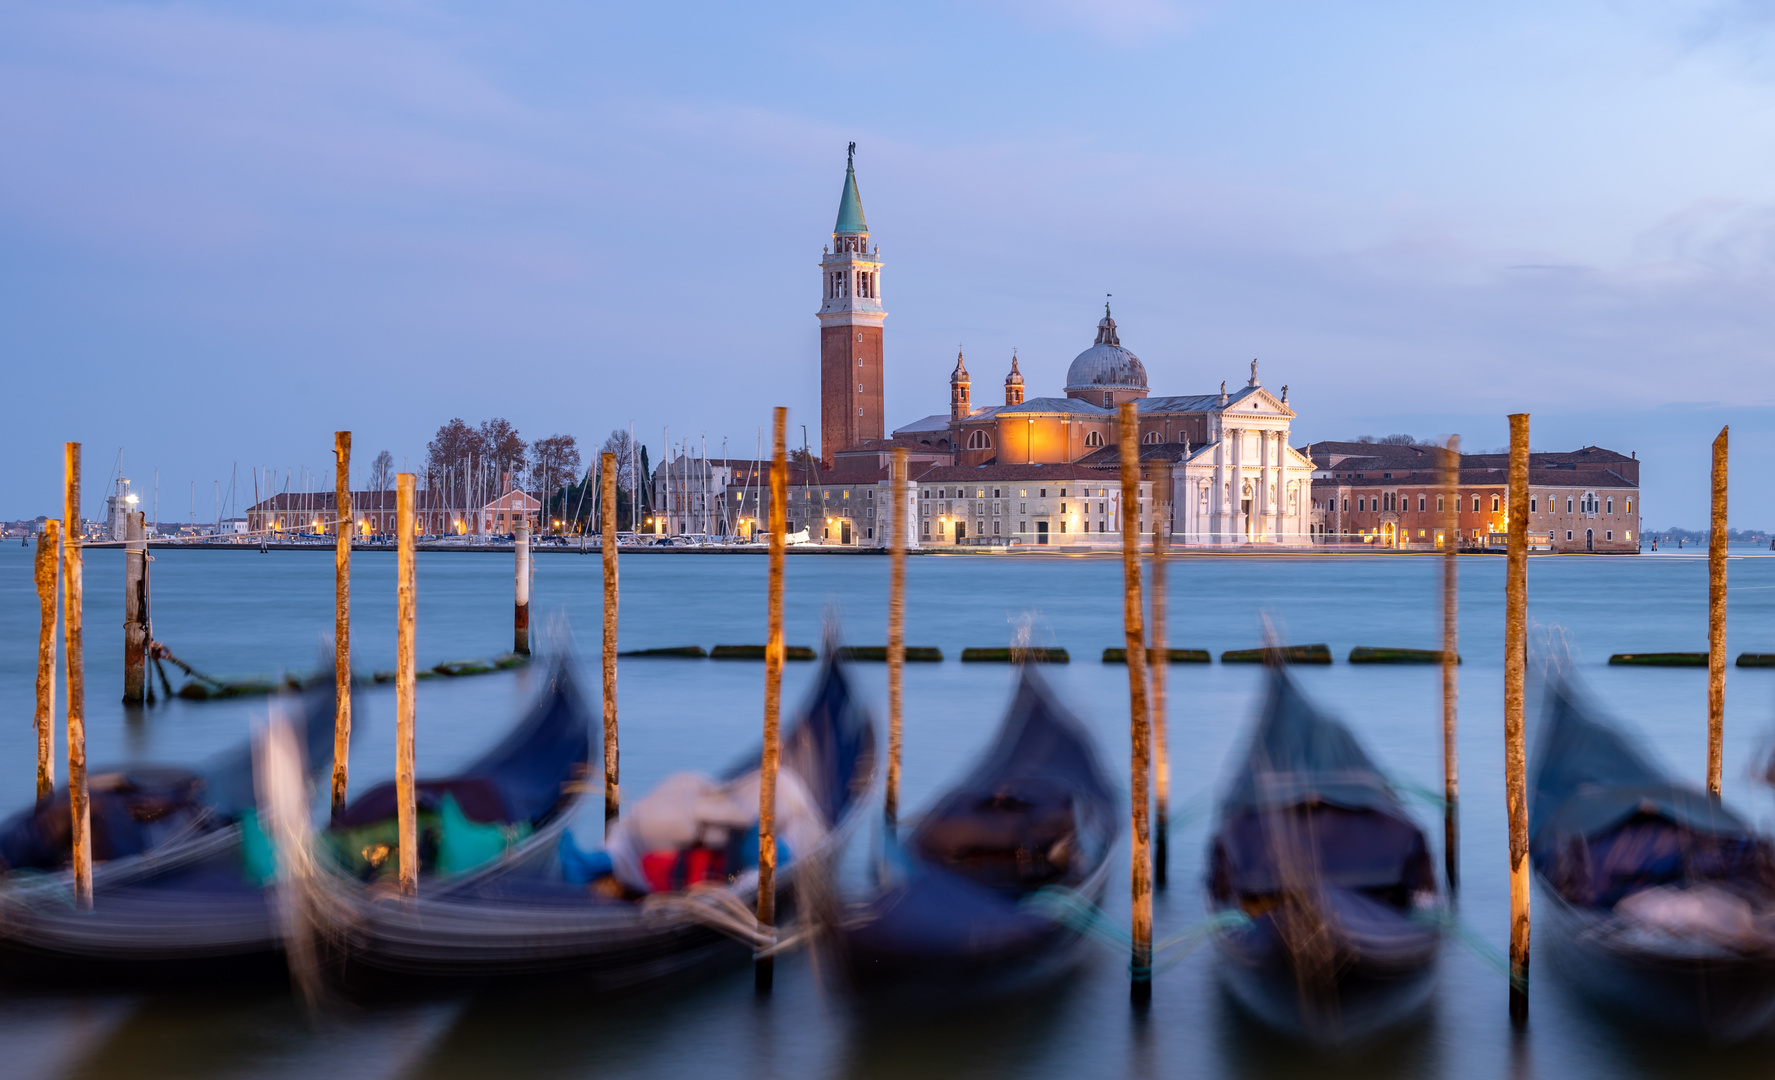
x,y
241,612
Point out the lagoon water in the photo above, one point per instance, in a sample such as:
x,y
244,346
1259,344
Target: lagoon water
x,y
240,612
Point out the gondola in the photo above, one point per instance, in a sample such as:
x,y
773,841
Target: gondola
x,y
1313,845
180,869
1661,901
679,868
948,921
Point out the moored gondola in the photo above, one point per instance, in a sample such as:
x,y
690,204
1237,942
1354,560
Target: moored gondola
x,y
1313,845
1661,901
180,870
670,892
949,921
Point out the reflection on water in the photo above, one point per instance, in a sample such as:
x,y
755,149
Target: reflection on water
x,y
243,613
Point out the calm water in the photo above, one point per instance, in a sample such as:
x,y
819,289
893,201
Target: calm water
x,y
242,612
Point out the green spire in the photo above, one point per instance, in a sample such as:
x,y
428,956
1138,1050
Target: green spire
x,y
850,204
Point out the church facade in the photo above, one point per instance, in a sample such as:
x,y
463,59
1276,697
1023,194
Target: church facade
x,y
1216,468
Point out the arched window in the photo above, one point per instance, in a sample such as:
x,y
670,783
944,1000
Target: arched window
x,y
1151,439
1093,438
978,439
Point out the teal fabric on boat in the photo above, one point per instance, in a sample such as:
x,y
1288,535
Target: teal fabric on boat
x,y
257,854
464,844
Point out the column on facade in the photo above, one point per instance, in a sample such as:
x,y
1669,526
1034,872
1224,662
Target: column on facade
x,y
1260,505
1236,491
1283,490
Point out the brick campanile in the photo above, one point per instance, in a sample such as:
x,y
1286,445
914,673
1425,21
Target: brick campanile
x,y
851,407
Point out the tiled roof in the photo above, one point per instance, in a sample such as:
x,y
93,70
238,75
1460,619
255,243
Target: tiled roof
x,y
1053,405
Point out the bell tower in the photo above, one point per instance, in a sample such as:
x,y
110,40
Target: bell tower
x,y
851,407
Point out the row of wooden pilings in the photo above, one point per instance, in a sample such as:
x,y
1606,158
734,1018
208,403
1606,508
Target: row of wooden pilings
x,y
59,556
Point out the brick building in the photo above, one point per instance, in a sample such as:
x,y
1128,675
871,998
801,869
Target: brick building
x,y
1391,496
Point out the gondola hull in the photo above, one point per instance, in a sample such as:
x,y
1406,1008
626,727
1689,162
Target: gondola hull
x,y
519,916
1723,996
957,917
1331,922
941,939
1373,990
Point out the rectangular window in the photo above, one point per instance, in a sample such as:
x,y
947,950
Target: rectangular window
x,y
1568,508
1611,505
1476,504
1568,534
1494,504
1531,505
927,528
1441,506
1346,504
1360,504
1630,510
1420,508
995,528
1610,534
1023,526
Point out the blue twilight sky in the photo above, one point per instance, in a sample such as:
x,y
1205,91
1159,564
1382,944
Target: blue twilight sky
x,y
228,229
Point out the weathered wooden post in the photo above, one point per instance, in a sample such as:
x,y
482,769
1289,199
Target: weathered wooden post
x,y
1716,618
764,970
1515,668
341,618
405,678
612,759
1159,663
74,645
896,646
48,581
1139,728
1451,660
135,608
521,609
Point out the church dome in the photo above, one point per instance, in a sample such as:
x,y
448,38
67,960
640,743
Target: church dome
x,y
1106,365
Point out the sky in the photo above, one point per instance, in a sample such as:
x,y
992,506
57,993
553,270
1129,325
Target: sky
x,y
228,230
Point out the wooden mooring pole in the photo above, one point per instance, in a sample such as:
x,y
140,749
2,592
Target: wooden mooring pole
x,y
896,646
135,608
74,645
1139,728
405,681
48,585
612,758
521,595
765,969
1716,618
1451,662
341,618
1515,756
1159,662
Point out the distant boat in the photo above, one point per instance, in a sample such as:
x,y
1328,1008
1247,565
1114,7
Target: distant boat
x,y
948,923
1314,847
1662,899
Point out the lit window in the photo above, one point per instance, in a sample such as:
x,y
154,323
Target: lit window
x,y
1630,510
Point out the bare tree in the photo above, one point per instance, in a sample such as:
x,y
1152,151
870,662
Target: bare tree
x,y
382,472
554,464
623,447
503,450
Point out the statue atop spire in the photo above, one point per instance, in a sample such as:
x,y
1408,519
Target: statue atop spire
x,y
1254,381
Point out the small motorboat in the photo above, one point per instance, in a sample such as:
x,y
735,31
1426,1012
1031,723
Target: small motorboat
x,y
671,891
949,921
180,868
1661,899
1343,921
